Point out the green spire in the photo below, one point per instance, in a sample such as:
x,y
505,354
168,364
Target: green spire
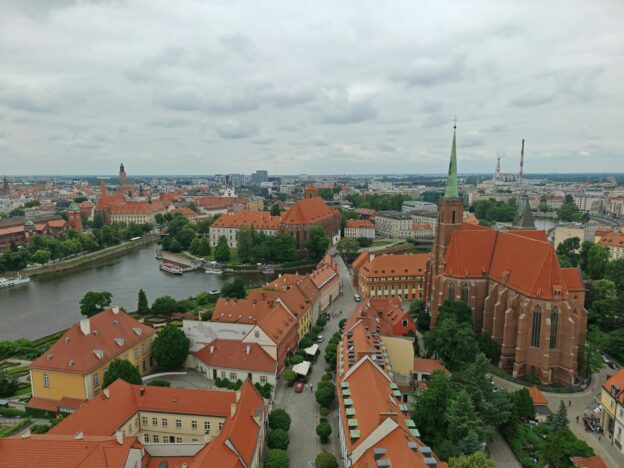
x,y
73,206
451,181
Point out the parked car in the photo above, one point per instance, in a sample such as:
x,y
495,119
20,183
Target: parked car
x,y
299,387
357,297
320,339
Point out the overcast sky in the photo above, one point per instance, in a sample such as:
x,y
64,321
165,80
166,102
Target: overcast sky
x,y
203,87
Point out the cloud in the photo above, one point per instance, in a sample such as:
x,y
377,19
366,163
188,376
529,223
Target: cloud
x,y
168,123
471,139
429,72
235,129
190,98
239,44
533,97
30,100
340,108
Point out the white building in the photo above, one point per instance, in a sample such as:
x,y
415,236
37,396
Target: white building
x,y
357,228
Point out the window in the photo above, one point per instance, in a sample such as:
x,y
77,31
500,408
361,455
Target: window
x,y
126,357
220,426
453,217
223,374
464,294
207,426
144,420
155,437
404,323
179,440
451,292
233,376
145,437
154,421
257,334
130,428
537,323
263,379
143,348
178,423
96,380
164,422
136,355
193,424
46,380
554,325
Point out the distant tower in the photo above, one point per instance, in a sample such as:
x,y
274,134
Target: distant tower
x,y
73,217
497,173
102,188
524,216
521,163
311,191
122,178
5,186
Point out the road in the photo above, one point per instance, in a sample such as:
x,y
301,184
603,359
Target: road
x,y
578,404
302,407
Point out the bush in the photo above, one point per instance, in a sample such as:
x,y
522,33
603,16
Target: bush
x,y
305,342
325,460
316,329
324,411
325,393
278,439
290,376
40,428
264,390
321,322
532,379
327,376
341,323
121,369
279,419
170,347
295,359
324,430
276,458
159,383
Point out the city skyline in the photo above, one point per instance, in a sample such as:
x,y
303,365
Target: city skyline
x,y
213,88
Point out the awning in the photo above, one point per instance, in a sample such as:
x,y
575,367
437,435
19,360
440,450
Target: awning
x,y
302,368
312,349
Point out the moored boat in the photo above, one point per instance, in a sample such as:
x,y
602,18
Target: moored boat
x,y
171,268
213,268
8,282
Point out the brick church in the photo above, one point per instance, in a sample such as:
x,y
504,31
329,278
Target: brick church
x,y
513,282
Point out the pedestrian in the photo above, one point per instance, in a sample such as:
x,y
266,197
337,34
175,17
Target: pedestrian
x,y
577,418
569,403
599,438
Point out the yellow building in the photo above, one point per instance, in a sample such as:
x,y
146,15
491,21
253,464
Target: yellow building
x,y
72,370
612,392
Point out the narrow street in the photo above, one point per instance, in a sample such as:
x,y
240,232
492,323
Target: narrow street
x,y
302,407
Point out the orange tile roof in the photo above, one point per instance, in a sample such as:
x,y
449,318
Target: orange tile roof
x,y
54,406
383,266
248,219
309,289
379,314
278,323
53,451
359,224
218,202
602,232
234,354
57,223
110,200
537,396
322,275
111,335
284,282
247,311
612,239
573,279
428,366
471,219
590,462
142,207
125,400
309,211
615,385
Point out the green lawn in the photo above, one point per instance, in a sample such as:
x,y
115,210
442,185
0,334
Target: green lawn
x,y
234,260
23,391
381,243
16,371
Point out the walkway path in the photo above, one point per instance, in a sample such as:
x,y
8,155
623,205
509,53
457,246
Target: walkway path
x,y
302,407
501,453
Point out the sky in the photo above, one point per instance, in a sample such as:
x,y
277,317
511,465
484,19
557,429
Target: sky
x,y
314,87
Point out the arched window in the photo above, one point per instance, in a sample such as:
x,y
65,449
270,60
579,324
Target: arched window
x,y
554,327
453,217
537,323
451,292
464,294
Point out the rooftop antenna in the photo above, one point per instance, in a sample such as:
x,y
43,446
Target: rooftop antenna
x,y
521,162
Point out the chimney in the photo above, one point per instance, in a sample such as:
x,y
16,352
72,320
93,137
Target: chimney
x,y
119,437
247,349
79,435
25,434
106,392
142,391
115,310
85,326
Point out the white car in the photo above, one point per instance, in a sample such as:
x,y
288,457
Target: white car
x,y
357,297
320,339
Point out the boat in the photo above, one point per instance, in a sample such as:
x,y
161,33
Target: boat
x,y
8,282
213,268
171,268
214,292
159,254
268,270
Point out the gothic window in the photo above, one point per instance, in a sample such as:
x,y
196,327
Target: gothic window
x,y
537,323
451,292
453,217
464,294
554,325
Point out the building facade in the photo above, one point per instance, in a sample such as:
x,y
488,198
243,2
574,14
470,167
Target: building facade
x,y
356,228
229,224
612,402
309,213
614,241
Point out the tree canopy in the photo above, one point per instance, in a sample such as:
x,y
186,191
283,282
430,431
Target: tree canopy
x,y
121,369
94,302
316,243
170,347
234,289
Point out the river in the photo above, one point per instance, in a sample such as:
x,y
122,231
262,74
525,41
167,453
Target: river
x,y
51,303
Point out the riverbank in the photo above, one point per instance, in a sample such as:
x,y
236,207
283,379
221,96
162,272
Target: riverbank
x,y
86,259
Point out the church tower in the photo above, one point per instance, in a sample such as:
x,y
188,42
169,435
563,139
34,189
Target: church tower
x,y
73,219
122,178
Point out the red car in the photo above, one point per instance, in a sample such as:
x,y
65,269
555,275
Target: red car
x,y
299,387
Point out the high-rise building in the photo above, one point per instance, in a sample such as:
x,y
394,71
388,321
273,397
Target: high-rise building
x,y
122,178
5,187
259,176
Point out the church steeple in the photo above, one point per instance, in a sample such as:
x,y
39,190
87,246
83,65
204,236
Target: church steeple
x,y
524,215
451,181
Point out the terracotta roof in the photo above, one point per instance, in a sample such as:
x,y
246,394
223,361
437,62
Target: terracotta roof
x,y
218,202
396,265
428,366
110,200
293,298
612,239
602,232
471,219
615,385
361,259
573,279
54,406
590,462
278,323
53,451
110,335
248,219
322,275
537,396
421,227
284,282
234,354
359,224
131,207
125,400
379,314
309,290
308,211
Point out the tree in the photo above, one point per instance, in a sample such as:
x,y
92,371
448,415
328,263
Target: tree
x,y
222,250
234,289
474,460
41,256
204,248
275,210
316,243
569,211
604,308
164,305
323,430
175,246
142,306
94,302
615,344
364,241
597,258
430,413
471,443
289,376
276,458
185,237
489,347
614,271
423,321
278,439
7,385
348,248
325,460
560,445
98,220
195,246
524,409
170,347
456,309
121,369
325,393
591,361
245,243
452,342
462,417
279,419
559,419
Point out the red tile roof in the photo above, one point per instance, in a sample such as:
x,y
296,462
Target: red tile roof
x,y
125,400
215,203
52,451
248,219
111,335
234,354
359,224
590,462
537,396
612,239
322,275
309,211
383,266
615,385
428,366
140,207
